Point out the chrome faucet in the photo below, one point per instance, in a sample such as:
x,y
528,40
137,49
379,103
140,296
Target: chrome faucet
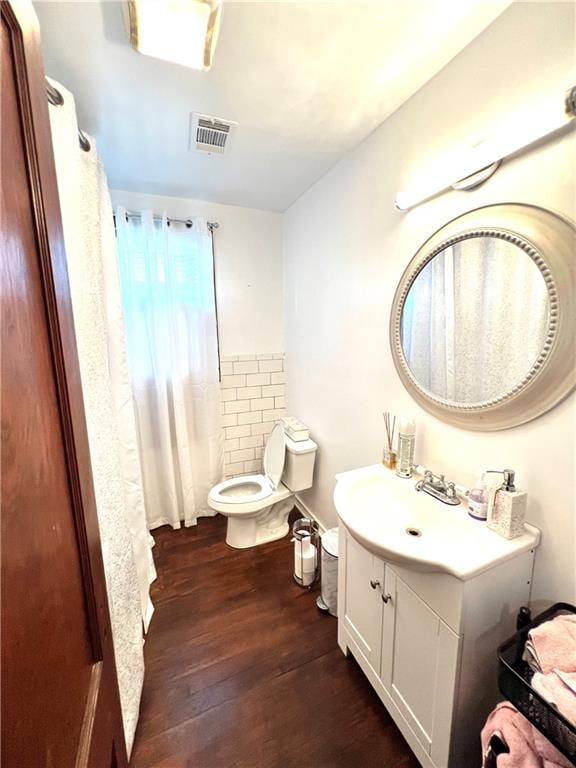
x,y
438,487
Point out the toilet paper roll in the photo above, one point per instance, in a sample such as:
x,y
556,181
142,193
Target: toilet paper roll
x,y
305,559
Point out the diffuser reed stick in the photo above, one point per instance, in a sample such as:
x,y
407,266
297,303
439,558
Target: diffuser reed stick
x,y
389,456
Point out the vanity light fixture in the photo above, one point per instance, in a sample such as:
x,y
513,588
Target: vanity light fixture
x,y
182,31
470,168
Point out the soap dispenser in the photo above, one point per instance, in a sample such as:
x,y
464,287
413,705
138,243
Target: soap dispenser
x,y
509,511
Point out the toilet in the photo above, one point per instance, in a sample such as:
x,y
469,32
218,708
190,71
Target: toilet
x,y
257,506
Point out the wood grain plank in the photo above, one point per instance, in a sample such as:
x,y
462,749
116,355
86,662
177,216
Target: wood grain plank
x,y
243,672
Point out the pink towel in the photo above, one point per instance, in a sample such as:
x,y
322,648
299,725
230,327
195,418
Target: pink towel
x,y
528,748
559,688
552,645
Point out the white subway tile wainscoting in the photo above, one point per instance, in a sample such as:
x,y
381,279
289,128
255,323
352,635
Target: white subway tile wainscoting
x,y
253,399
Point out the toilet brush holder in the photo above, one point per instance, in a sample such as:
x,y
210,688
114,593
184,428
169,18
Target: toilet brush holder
x,y
306,547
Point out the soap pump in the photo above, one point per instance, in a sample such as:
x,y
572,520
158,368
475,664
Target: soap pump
x,y
508,513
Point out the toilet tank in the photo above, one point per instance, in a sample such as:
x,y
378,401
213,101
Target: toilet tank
x,y
299,464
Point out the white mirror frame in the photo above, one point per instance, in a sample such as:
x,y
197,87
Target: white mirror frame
x,y
550,241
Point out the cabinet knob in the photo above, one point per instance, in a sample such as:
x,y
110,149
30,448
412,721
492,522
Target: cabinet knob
x,y
374,584
386,598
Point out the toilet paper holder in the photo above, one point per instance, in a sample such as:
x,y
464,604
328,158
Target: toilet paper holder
x,y
305,535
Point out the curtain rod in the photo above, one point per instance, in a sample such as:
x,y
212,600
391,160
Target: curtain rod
x,y
157,217
56,99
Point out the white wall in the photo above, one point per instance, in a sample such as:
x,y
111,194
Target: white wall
x,y
248,247
345,247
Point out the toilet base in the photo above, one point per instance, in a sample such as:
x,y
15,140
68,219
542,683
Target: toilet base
x,y
269,524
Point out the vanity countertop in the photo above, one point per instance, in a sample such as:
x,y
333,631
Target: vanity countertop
x,y
379,509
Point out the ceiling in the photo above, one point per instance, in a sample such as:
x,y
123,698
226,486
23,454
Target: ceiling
x,y
305,80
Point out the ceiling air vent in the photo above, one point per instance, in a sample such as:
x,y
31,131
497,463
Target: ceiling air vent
x,y
209,134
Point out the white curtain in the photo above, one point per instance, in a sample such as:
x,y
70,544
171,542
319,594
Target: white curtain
x,y
97,310
475,320
169,307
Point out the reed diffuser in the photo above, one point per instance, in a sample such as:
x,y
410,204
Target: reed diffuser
x,y
389,456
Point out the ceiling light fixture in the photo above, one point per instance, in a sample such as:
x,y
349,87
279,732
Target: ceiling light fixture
x,y
470,168
182,31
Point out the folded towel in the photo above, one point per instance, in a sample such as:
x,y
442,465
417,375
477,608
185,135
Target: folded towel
x,y
559,689
552,645
568,678
530,656
528,748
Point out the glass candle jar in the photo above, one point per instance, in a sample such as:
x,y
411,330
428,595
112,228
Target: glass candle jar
x,y
389,458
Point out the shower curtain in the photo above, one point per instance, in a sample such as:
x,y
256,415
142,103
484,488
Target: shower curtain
x,y
97,310
167,277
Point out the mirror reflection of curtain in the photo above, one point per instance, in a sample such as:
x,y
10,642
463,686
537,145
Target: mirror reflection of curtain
x,y
168,296
475,320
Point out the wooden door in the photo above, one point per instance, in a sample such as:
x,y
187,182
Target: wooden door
x,y
419,666
60,703
363,605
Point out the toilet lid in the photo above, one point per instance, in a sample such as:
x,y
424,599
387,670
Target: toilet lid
x,y
274,455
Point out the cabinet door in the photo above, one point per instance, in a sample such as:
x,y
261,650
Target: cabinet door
x,y
419,666
363,601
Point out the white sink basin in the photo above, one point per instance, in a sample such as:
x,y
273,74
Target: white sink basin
x,y
390,518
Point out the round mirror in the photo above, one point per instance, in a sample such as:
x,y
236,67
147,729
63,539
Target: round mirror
x,y
480,327
466,336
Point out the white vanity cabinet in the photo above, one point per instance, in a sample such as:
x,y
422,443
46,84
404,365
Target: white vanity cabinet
x,y
427,642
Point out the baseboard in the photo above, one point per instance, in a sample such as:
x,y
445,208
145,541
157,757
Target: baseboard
x,y
307,512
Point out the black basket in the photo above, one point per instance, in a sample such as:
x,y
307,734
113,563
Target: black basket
x,y
514,677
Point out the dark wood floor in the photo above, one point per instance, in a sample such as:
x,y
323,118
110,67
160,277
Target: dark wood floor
x,y
243,672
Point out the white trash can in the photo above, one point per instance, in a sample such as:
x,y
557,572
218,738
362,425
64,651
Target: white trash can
x,y
328,600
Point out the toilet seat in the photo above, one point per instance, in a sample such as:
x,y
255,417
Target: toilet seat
x,y
244,505
230,491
